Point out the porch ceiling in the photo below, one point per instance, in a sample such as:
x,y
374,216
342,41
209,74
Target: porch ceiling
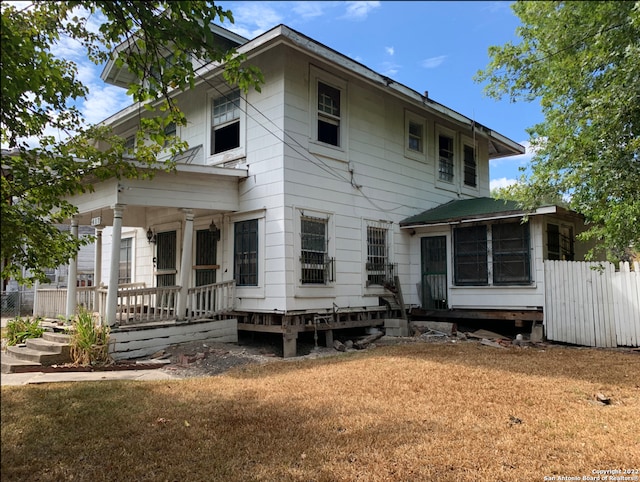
x,y
204,193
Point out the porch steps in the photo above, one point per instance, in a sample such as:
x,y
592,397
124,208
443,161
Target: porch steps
x,y
51,349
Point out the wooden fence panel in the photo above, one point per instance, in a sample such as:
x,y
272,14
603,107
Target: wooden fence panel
x,y
592,304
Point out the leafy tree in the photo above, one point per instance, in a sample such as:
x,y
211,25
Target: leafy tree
x,y
40,93
581,60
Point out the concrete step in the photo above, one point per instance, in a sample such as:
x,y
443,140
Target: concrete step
x,y
11,364
48,346
37,356
57,337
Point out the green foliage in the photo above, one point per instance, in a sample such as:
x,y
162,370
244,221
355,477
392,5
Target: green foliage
x,y
581,61
19,329
156,41
89,340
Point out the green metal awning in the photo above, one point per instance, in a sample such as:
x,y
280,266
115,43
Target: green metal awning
x,y
465,210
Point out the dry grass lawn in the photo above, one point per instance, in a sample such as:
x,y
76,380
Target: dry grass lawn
x,y
450,412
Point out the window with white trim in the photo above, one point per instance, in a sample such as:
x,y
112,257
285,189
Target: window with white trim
x,y
378,267
316,267
445,158
246,252
124,267
470,166
328,114
497,254
225,123
415,138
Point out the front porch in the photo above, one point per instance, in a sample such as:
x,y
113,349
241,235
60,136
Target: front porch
x,y
147,319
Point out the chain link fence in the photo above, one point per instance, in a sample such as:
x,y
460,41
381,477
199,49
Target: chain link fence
x,y
10,303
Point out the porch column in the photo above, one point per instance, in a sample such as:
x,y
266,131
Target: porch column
x,y
97,262
72,276
185,263
112,290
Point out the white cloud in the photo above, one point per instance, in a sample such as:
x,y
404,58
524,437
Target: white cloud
x,y
104,101
359,10
253,19
433,62
307,10
501,182
390,50
389,69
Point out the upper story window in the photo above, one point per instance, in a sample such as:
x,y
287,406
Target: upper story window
x,y
170,132
316,266
470,166
130,146
328,114
415,141
225,122
445,158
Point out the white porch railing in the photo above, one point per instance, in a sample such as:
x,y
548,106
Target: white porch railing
x,y
138,305
209,300
142,305
52,303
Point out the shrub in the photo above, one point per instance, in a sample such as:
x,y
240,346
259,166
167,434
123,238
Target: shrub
x,y
89,340
19,329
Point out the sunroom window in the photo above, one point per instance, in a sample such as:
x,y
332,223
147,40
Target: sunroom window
x,y
497,254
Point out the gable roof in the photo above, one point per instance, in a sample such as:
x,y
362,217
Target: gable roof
x,y
498,144
466,210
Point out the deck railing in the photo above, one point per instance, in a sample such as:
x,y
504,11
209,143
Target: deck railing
x,y
139,305
142,305
52,303
210,300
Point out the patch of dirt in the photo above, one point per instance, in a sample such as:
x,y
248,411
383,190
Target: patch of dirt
x,y
207,358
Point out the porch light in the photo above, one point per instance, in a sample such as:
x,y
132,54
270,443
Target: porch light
x,y
151,237
214,229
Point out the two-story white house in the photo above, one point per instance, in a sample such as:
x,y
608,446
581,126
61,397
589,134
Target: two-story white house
x,y
316,200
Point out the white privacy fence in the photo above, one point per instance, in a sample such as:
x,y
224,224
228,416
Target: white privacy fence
x,y
592,304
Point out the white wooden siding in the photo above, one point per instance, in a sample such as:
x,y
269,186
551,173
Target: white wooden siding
x,y
592,304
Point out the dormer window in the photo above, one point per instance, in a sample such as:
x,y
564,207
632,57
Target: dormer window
x,y
225,123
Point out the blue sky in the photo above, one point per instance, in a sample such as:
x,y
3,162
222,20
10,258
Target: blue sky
x,y
427,46
432,46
